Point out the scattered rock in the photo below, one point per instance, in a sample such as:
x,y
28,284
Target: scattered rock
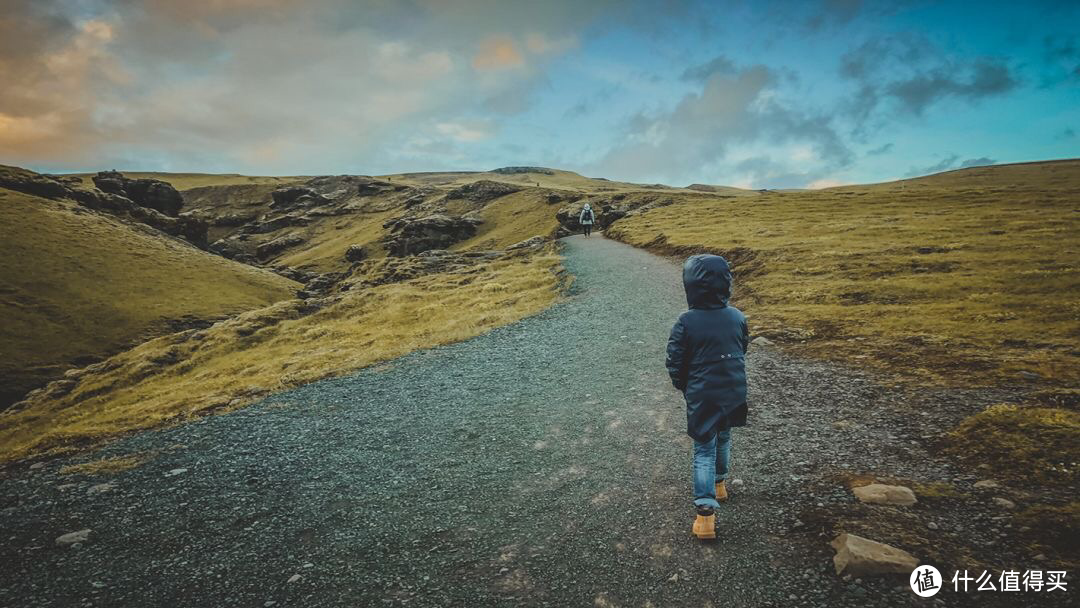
x,y
761,341
986,483
294,578
735,482
175,472
530,243
355,253
1032,376
860,556
71,538
1004,503
881,494
1040,557
932,526
100,488
36,466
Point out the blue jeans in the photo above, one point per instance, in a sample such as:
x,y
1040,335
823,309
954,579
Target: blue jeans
x,y
711,460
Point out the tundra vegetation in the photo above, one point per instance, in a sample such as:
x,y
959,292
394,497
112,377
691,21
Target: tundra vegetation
x,y
963,279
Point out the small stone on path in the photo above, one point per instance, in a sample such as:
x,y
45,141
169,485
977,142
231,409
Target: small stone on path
x,y
1004,503
987,483
294,578
100,488
71,538
761,341
175,472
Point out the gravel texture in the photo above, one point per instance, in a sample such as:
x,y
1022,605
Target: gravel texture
x,y
544,463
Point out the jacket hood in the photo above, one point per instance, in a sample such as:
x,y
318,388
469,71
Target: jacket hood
x,y
587,206
707,281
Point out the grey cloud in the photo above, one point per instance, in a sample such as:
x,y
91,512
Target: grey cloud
x,y
882,149
1062,60
977,162
982,79
695,137
907,73
946,163
951,162
276,85
835,12
702,72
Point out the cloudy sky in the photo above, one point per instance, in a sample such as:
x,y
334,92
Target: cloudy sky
x,y
751,93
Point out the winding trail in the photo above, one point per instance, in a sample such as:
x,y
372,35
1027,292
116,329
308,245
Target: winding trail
x,y
544,463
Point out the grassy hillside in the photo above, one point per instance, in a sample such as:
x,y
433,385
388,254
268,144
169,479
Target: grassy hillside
x,y
540,177
187,181
76,286
236,361
970,276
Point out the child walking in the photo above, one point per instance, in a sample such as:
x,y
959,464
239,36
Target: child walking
x,y
705,359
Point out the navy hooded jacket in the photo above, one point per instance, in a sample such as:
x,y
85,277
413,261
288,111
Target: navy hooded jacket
x,y
707,347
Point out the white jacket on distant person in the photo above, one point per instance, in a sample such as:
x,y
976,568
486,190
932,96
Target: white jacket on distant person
x,y
587,216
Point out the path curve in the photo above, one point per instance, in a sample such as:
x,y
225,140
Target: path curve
x,y
544,463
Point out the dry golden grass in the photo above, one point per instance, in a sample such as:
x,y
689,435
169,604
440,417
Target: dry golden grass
x,y
327,241
236,361
78,285
512,219
1033,444
969,277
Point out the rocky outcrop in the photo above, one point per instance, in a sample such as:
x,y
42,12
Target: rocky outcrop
x,y
482,191
410,236
271,248
36,184
294,197
860,556
145,192
535,242
187,227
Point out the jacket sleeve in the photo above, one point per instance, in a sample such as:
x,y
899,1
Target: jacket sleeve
x,y
745,337
677,356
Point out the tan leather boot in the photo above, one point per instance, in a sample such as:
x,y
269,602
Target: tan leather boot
x,y
705,525
721,491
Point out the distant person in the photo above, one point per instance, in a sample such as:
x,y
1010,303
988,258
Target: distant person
x,y
586,219
705,356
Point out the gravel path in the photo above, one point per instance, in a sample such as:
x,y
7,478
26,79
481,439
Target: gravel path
x,y
544,463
